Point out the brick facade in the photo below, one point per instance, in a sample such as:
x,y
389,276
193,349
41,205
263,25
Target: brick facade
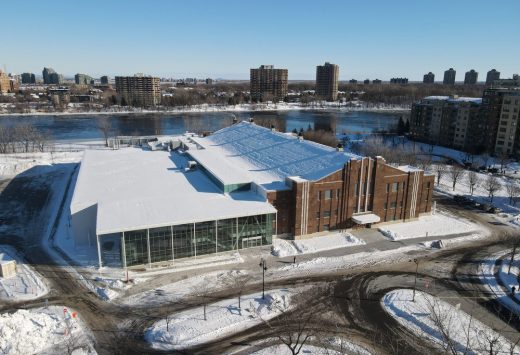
x,y
363,186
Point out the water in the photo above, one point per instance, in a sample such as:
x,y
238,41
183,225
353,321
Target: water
x,y
74,127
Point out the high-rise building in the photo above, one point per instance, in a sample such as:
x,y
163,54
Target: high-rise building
x,y
47,75
471,77
352,81
267,83
327,81
5,83
139,90
377,81
429,78
491,76
449,77
28,78
82,79
366,81
399,81
104,80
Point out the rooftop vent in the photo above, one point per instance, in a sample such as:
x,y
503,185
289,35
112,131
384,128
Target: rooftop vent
x,y
273,128
300,135
235,120
252,120
339,147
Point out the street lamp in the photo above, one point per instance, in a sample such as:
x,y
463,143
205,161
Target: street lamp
x,y
264,268
416,261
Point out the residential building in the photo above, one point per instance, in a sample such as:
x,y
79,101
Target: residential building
x,y
471,77
512,82
50,77
429,78
59,95
501,107
449,121
104,80
327,81
449,77
232,190
352,81
399,81
268,84
28,78
376,81
491,76
209,81
366,81
5,83
82,79
139,90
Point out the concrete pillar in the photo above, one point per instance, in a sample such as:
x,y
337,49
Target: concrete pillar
x,y
148,247
216,236
173,252
123,249
99,251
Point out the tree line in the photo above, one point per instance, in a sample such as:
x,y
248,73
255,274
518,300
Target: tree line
x,y
22,139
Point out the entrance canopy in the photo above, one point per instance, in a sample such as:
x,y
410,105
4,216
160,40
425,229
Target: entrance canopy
x,y
366,218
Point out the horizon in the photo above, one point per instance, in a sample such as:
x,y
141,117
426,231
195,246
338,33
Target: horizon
x,y
372,40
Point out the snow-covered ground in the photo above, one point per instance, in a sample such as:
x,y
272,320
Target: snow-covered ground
x,y
430,317
26,284
501,287
439,224
176,291
330,346
188,328
13,164
44,331
282,247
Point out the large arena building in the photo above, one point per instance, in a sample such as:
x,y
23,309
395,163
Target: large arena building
x,y
234,189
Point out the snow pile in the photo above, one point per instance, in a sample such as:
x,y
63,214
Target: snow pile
x,y
181,289
43,330
25,285
434,244
224,318
283,248
13,164
439,224
440,322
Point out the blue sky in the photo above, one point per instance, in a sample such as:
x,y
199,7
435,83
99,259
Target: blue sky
x,y
224,38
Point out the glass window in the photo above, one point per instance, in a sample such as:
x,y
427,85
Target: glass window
x,y
326,213
395,186
183,245
205,238
318,215
160,244
136,247
325,227
111,249
226,235
393,204
328,194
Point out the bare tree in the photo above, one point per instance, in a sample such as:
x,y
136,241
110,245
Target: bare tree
x,y
440,171
473,181
202,291
492,185
456,172
104,126
238,281
513,191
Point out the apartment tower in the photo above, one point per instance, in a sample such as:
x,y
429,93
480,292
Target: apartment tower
x,y
471,77
327,81
139,90
267,83
492,75
449,77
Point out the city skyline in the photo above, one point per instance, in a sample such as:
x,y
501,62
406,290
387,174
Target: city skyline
x,y
204,39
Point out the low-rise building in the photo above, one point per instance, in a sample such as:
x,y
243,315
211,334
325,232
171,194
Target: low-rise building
x,y
231,190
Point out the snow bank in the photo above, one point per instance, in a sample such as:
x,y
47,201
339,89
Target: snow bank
x,y
13,164
439,224
283,247
188,328
419,317
25,285
43,330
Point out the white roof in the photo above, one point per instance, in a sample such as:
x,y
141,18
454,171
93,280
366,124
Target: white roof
x,y
135,189
5,258
266,157
408,168
476,100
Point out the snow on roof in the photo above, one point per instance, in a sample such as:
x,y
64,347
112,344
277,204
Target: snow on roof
x,y
476,100
268,157
137,189
5,258
408,168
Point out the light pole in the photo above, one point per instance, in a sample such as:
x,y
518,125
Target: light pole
x,y
264,268
416,261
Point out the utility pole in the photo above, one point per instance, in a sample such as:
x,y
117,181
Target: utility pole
x,y
416,261
264,268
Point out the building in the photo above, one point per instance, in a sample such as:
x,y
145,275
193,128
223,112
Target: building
x,y
429,78
366,81
377,82
209,81
327,81
139,90
500,112
471,77
7,265
28,78
82,79
512,82
104,80
491,76
449,121
5,83
59,95
234,189
449,77
401,81
268,84
352,81
50,77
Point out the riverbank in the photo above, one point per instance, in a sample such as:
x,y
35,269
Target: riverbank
x,y
243,108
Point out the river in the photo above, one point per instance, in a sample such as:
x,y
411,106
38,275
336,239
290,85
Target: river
x,y
84,127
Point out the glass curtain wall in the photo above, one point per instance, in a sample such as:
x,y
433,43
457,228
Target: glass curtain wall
x,y
111,254
187,240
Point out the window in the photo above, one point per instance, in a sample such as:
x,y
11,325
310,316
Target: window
x,y
318,215
385,206
395,187
387,188
393,204
328,194
326,214
325,227
319,196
